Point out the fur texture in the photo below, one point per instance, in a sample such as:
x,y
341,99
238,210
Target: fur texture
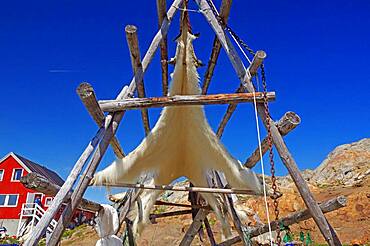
x,y
181,144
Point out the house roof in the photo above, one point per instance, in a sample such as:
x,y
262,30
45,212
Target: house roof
x,y
37,168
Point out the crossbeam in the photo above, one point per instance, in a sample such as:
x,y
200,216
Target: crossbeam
x,y
288,160
326,207
133,45
39,183
286,124
182,188
182,100
87,95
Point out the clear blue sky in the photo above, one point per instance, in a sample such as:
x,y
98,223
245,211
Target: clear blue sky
x,y
317,63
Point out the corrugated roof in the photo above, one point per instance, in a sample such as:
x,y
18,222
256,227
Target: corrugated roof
x,y
37,168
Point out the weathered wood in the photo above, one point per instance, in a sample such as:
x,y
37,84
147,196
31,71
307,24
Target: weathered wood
x,y
169,214
326,207
125,209
253,67
161,11
58,200
224,15
87,95
194,228
209,232
282,149
194,199
181,100
133,45
230,110
183,188
111,124
39,183
257,61
287,123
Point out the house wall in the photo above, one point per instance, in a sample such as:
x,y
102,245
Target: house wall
x,y
9,216
7,186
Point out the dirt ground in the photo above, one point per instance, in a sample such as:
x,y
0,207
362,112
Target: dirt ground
x,y
352,222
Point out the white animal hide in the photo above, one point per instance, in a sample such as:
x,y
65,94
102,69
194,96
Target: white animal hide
x,y
181,144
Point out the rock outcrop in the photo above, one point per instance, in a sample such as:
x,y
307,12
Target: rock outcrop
x,y
347,165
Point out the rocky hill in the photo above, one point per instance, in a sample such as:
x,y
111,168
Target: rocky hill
x,y
347,165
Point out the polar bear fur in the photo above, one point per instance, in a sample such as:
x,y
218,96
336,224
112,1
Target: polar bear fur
x,y
181,143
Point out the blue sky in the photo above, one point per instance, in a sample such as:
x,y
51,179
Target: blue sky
x,y
317,64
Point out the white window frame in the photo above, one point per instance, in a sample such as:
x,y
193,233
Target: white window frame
x,y
14,180
2,176
46,201
7,201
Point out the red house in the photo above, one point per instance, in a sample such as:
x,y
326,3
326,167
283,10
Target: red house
x,y
14,196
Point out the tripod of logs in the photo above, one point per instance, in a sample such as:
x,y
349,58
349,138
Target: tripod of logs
x,y
108,115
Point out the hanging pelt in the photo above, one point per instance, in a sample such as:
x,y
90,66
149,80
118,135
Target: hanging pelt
x,y
181,143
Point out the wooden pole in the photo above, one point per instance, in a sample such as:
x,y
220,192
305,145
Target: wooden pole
x,y
194,228
286,124
58,200
181,100
209,232
39,183
279,143
169,214
224,14
133,45
161,11
326,207
111,123
87,95
253,68
182,188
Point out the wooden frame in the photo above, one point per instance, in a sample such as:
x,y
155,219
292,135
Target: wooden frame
x,y
182,100
6,201
109,123
13,172
2,171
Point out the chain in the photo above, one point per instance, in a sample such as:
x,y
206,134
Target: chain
x,y
275,195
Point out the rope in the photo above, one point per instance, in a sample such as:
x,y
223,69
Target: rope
x,y
262,165
241,44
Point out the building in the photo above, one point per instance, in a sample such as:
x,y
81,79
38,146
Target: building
x,y
14,196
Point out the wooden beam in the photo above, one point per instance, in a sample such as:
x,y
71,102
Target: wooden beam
x,y
107,132
230,110
257,61
169,214
286,157
133,45
182,188
161,11
58,200
39,183
181,100
287,123
87,95
326,207
181,205
253,68
209,232
194,228
224,14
